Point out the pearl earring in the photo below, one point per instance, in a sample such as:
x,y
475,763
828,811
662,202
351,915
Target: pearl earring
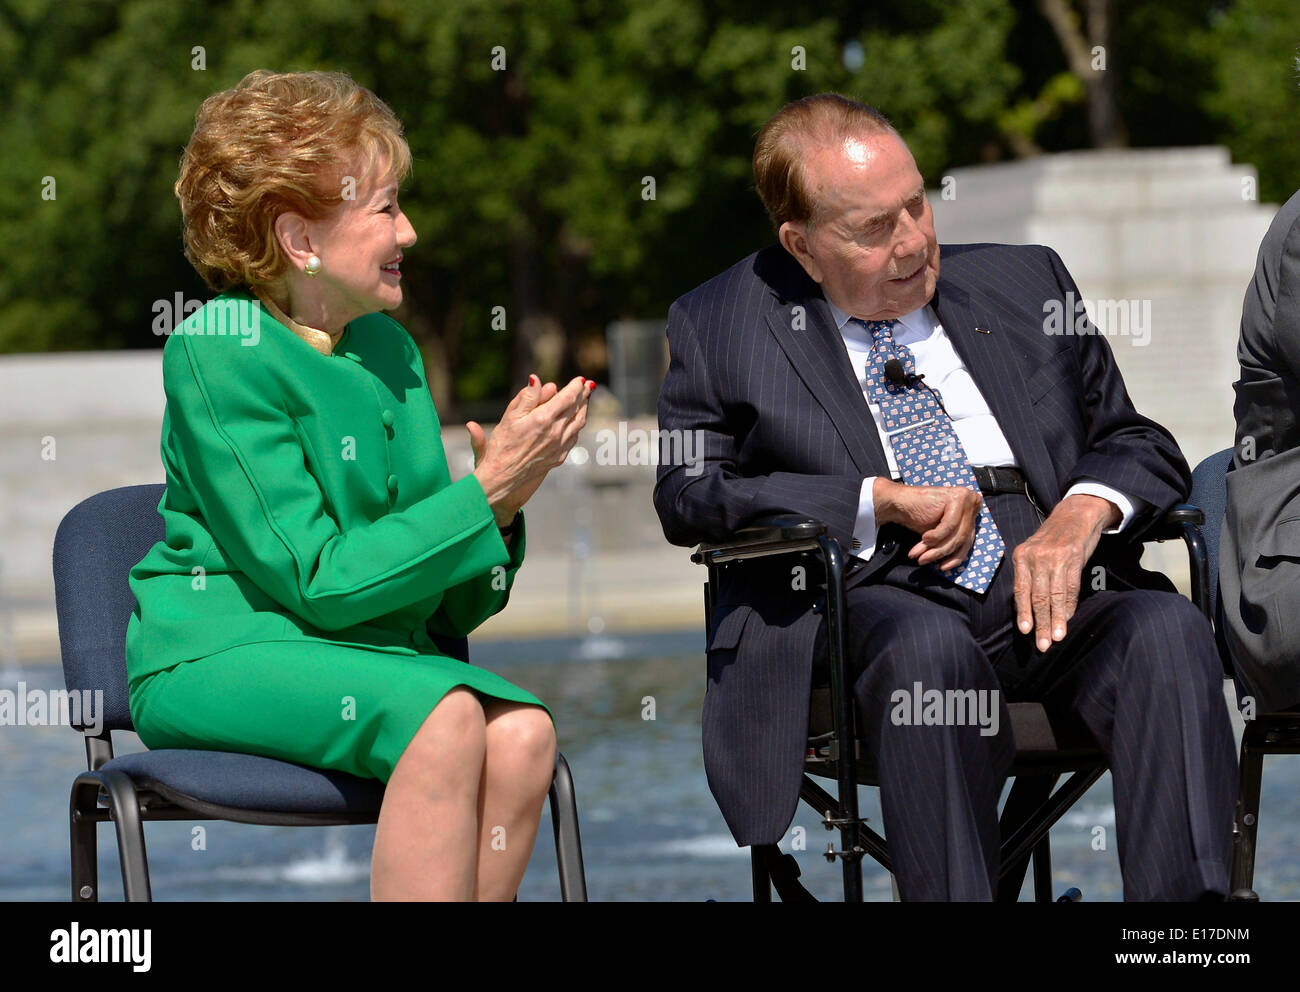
x,y
313,265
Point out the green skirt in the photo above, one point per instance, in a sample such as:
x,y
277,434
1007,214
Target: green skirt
x,y
323,705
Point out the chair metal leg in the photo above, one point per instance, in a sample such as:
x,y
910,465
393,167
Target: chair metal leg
x,y
83,840
124,808
568,841
1027,796
1247,820
823,802
1026,837
843,707
124,811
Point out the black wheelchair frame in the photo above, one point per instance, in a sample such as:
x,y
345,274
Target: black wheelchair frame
x,y
1031,808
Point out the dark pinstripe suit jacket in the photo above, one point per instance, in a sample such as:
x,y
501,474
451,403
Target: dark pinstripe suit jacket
x,y
759,369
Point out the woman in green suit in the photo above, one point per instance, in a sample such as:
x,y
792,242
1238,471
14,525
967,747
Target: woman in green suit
x,y
315,544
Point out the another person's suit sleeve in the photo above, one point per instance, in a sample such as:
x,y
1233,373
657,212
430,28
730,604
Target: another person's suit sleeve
x,y
245,465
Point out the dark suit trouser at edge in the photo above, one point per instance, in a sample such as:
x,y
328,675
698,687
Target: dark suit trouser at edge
x,y
1137,667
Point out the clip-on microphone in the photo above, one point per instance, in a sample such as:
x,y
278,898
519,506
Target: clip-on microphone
x,y
895,374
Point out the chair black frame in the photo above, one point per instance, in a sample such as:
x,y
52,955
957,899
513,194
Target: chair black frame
x,y
1031,808
93,655
130,802
1268,733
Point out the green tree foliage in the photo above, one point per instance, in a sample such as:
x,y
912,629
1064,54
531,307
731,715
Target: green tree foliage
x,y
1254,89
531,182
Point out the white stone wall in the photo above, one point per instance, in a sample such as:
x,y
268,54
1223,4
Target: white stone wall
x,y
1177,227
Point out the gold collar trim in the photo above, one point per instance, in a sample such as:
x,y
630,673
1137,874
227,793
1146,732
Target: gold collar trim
x,y
322,341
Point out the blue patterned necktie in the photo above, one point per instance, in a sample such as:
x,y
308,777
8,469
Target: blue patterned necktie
x,y
927,449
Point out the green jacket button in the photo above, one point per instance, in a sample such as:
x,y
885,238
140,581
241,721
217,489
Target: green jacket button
x,y
387,417
392,483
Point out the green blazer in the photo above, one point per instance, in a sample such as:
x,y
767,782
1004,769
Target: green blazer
x,y
308,498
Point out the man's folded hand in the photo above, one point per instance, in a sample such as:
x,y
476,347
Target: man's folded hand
x,y
944,516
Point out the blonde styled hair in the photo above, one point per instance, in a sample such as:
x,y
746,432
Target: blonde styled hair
x,y
821,119
277,142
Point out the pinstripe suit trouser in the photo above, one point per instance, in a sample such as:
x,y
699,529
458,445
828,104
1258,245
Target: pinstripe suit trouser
x,y
1138,668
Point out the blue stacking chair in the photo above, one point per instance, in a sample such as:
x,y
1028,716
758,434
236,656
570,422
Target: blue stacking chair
x,y
1268,733
97,543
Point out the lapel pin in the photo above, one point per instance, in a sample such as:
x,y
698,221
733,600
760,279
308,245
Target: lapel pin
x,y
981,330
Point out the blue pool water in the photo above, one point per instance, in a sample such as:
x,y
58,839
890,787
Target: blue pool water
x,y
650,828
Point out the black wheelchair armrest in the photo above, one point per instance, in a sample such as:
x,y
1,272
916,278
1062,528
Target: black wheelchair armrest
x,y
1171,528
1183,523
771,535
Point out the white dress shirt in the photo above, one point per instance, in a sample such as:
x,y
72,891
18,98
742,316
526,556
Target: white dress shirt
x,y
981,437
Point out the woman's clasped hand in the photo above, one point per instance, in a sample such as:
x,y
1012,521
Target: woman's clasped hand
x,y
535,435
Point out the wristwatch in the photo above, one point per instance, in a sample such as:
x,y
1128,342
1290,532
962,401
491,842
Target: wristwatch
x,y
509,530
